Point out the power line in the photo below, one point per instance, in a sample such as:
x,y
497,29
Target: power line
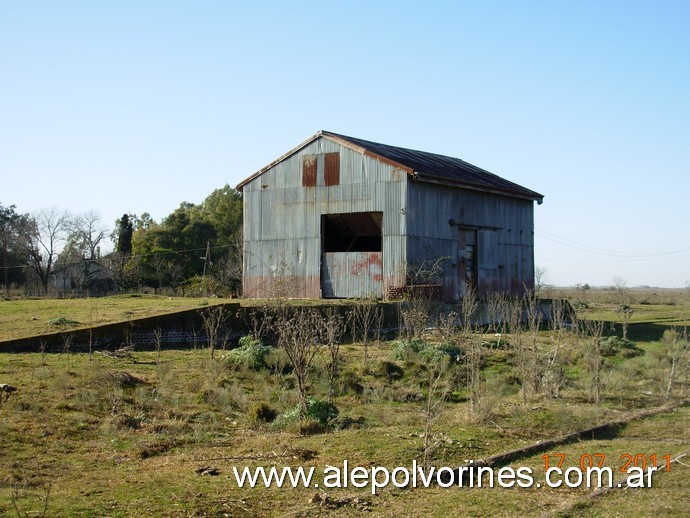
x,y
603,251
138,256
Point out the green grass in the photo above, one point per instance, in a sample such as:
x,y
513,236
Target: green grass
x,y
104,447
29,317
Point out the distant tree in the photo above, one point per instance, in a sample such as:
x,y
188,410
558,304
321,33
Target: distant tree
x,y
174,250
223,209
539,280
47,231
86,234
620,286
14,244
123,235
124,270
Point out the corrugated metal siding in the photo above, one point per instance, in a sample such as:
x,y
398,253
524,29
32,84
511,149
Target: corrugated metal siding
x,y
505,231
283,219
352,274
282,225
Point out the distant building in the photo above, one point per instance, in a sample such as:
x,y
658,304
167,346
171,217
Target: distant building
x,y
340,217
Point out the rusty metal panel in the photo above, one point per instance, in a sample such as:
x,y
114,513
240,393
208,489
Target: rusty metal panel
x,y
309,170
352,274
331,170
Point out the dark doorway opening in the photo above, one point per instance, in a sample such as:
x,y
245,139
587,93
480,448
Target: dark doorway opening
x,y
352,232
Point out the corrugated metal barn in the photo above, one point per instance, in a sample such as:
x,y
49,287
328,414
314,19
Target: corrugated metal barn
x,y
340,217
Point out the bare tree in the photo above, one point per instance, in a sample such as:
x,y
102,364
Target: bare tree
x,y
553,376
48,231
678,355
624,313
157,337
299,332
471,343
89,232
364,317
437,392
594,358
214,319
333,334
84,242
539,280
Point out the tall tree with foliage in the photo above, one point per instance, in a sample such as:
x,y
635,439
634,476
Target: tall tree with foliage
x,y
123,268
175,248
124,231
14,244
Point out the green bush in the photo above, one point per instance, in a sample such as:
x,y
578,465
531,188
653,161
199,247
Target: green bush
x,y
404,348
320,410
63,321
252,353
430,353
317,410
615,345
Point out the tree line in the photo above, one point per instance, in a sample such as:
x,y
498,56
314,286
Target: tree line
x,y
197,249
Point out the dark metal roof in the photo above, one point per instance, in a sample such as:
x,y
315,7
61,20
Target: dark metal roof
x,y
433,167
422,166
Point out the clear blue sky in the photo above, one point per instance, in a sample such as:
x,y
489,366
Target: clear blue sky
x,y
127,106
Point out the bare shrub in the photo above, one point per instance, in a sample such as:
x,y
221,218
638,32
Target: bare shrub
x,y
299,331
365,321
333,334
157,338
213,319
593,357
677,358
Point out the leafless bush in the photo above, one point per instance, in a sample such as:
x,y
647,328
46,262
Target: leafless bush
x,y
157,337
213,319
299,332
553,374
24,495
594,358
524,342
333,334
365,318
42,349
258,321
447,326
437,392
678,358
472,347
496,303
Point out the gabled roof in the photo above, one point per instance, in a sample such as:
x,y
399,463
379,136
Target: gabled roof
x,y
421,165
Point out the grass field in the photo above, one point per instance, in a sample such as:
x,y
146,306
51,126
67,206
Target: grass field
x,y
29,317
100,436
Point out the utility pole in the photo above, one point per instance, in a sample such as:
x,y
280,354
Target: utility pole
x,y
207,257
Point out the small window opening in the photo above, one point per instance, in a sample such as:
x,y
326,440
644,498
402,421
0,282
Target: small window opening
x,y
352,232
